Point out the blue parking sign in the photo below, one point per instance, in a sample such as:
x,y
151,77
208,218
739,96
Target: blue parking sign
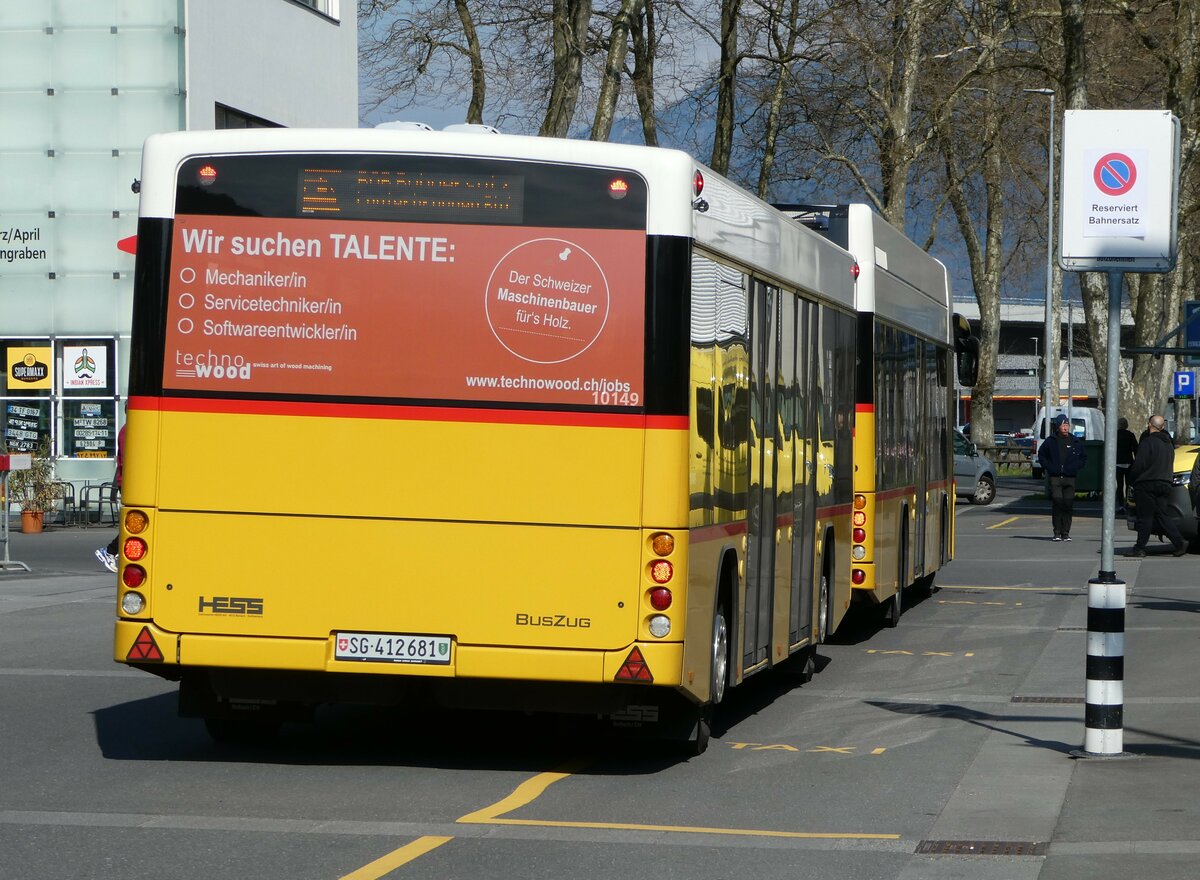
x,y
1185,383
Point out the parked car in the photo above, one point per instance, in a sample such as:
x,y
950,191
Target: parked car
x,y
1179,502
974,475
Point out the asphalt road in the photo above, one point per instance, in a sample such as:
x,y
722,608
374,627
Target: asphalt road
x,y
952,731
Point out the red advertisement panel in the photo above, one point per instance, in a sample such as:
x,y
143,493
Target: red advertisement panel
x,y
406,310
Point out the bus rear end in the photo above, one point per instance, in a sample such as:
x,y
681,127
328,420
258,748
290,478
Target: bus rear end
x,y
391,428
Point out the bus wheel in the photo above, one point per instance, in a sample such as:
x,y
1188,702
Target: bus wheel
x,y
823,609
242,731
720,657
698,744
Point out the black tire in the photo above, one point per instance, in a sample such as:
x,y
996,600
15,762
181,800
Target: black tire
x,y
985,491
823,608
719,657
895,607
698,744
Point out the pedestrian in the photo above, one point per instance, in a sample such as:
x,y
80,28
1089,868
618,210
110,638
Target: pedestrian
x,y
1127,443
108,555
1151,472
1062,456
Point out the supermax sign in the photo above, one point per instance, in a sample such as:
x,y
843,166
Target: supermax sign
x,y
30,369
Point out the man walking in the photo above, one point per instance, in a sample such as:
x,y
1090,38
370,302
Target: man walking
x,y
1062,456
1150,474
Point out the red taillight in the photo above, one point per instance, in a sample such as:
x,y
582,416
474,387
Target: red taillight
x,y
134,549
133,576
697,184
860,518
860,535
660,599
858,576
207,175
855,271
618,188
661,571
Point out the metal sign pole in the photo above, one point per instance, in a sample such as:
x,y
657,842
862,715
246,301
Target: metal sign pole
x,y
7,564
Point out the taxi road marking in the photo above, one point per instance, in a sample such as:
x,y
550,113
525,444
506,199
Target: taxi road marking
x,y
782,747
921,653
1026,589
1004,522
972,602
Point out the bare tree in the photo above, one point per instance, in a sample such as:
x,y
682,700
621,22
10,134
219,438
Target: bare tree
x,y
418,50
569,25
614,68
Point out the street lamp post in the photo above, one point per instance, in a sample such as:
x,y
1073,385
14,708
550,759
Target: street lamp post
x,y
1037,366
1047,399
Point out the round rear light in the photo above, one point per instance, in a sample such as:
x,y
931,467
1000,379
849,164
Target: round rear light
x,y
660,626
662,571
133,603
860,535
133,576
136,522
662,544
134,549
660,598
858,576
860,502
860,518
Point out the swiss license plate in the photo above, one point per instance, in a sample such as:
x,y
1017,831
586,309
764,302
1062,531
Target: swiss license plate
x,y
392,648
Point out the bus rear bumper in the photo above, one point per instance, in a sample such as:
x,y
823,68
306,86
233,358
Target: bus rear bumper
x,y
140,643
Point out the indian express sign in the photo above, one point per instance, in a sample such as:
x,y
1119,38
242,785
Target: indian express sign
x,y
1120,191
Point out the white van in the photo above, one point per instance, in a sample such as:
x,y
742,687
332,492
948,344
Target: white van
x,y
1087,423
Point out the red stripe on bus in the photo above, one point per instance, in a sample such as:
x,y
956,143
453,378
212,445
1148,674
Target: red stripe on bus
x,y
717,532
864,407
895,493
409,413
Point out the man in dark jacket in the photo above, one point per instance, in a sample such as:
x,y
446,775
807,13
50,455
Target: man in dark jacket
x,y
1062,456
1151,473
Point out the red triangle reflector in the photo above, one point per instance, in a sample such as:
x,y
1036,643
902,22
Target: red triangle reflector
x,y
128,245
144,647
634,668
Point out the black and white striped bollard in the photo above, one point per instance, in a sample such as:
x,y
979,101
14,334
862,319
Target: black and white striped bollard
x,y
1104,732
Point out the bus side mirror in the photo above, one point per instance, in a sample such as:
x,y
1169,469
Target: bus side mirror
x,y
966,352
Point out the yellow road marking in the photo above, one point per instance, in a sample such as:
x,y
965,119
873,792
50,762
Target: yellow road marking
x,y
396,858
971,602
530,789
1028,589
1004,522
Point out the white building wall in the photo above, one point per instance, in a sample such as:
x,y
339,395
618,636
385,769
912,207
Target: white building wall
x,y
275,59
82,84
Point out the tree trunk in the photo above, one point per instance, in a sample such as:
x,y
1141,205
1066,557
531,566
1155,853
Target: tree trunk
x,y
645,46
726,86
610,83
569,42
475,55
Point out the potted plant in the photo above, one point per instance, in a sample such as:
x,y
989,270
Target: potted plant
x,y
34,490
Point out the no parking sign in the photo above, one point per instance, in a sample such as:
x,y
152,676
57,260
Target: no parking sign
x,y
1120,189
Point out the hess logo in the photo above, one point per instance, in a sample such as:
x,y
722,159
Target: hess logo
x,y
240,605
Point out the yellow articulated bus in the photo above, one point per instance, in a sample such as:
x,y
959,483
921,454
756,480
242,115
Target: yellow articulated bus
x,y
495,421
908,343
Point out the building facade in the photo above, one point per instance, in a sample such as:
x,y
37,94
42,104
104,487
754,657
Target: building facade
x,y
82,84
